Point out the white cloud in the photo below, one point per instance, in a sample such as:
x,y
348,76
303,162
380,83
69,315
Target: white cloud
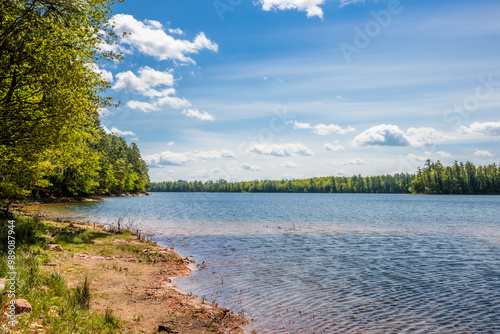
x,y
202,116
171,143
289,164
322,129
355,162
485,154
144,106
103,112
177,31
254,168
213,154
300,126
105,75
486,128
174,102
118,132
425,136
169,158
429,155
281,150
149,38
152,93
334,147
154,24
415,157
147,79
442,154
151,83
347,2
310,6
392,135
384,134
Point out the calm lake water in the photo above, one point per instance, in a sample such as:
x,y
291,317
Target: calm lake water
x,y
331,263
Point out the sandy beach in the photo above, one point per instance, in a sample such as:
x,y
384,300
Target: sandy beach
x,y
134,278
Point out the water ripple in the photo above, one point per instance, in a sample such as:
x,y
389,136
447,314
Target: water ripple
x,y
357,283
333,263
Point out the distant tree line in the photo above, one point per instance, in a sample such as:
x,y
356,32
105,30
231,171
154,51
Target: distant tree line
x,y
432,179
459,178
398,183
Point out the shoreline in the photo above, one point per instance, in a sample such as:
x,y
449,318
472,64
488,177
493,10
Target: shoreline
x,y
135,279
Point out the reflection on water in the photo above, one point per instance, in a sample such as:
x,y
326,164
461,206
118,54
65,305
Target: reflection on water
x,y
312,263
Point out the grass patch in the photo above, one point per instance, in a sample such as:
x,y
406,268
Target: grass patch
x,y
55,307
110,319
80,296
57,282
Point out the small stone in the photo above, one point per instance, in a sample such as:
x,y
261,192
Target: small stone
x,y
3,284
22,306
53,247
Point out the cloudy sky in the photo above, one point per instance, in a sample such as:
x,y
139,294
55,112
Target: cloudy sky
x,y
271,89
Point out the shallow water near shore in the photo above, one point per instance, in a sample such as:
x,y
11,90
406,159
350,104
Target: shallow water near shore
x,y
331,263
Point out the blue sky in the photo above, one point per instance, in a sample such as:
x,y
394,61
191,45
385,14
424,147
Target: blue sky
x,y
271,89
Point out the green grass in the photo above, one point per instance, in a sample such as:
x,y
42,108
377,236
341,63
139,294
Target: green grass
x,y
110,319
80,296
57,307
57,283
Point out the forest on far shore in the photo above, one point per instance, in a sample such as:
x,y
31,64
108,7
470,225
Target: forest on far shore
x,y
433,178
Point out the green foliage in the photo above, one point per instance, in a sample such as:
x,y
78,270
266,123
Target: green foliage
x,y
50,93
122,168
398,183
114,167
460,178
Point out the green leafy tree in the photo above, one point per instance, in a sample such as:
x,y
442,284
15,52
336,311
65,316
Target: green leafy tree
x,y
50,93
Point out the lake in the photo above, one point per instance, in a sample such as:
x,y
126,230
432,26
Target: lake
x,y
331,263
